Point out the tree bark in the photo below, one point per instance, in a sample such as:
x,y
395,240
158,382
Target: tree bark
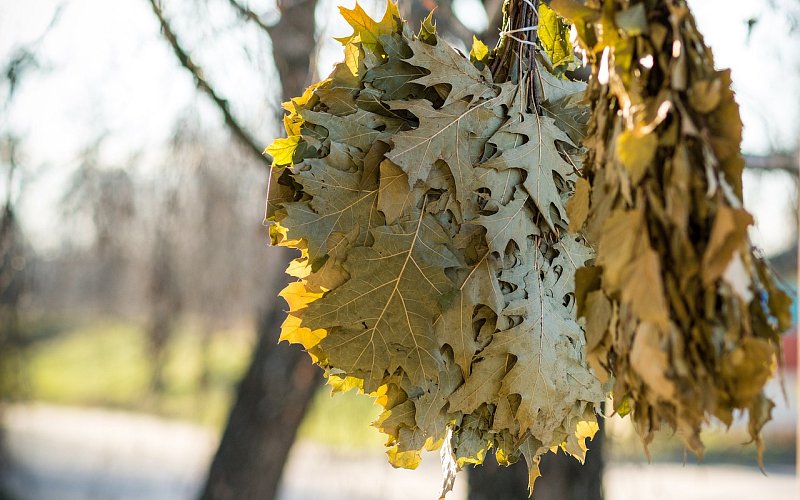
x,y
274,394
271,400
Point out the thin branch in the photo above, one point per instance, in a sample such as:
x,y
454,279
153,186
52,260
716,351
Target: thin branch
x,y
787,162
204,86
248,14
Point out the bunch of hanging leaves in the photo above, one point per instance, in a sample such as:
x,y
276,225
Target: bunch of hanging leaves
x,y
436,271
679,309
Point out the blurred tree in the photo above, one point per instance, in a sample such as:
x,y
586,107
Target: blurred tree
x,y
14,278
279,383
100,200
165,301
15,252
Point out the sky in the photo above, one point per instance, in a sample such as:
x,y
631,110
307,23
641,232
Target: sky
x,y
106,72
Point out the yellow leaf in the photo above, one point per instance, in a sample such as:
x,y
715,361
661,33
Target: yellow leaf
x,y
294,333
344,384
389,396
296,295
368,30
292,124
479,51
650,361
643,288
299,268
404,459
282,150
292,330
279,235
296,102
502,457
586,429
635,152
352,58
554,36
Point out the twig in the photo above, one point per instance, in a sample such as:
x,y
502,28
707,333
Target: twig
x,y
521,17
204,86
780,161
248,14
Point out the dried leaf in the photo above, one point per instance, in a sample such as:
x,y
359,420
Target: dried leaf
x,y
435,273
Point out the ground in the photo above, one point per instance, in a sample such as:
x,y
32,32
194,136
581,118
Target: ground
x,y
69,453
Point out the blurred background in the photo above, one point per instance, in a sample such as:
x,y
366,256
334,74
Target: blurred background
x,y
137,289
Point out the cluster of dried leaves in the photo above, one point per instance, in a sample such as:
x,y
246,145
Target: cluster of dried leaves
x,y
433,214
678,308
436,271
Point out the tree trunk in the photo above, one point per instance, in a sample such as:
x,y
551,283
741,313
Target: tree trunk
x,y
275,392
272,398
563,477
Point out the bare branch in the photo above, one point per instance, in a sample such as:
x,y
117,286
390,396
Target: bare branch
x,y
204,86
787,162
247,13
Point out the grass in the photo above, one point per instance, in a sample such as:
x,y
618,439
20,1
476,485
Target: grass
x,y
104,362
342,420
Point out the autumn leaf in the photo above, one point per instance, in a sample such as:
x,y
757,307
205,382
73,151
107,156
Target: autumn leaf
x,y
550,374
444,134
386,304
528,143
554,34
446,66
661,201
365,29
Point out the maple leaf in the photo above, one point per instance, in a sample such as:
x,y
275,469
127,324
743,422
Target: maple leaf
x,y
431,413
395,198
367,31
550,374
512,222
573,254
385,307
570,114
395,78
555,88
536,155
446,66
444,134
358,130
482,385
455,326
554,34
338,205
